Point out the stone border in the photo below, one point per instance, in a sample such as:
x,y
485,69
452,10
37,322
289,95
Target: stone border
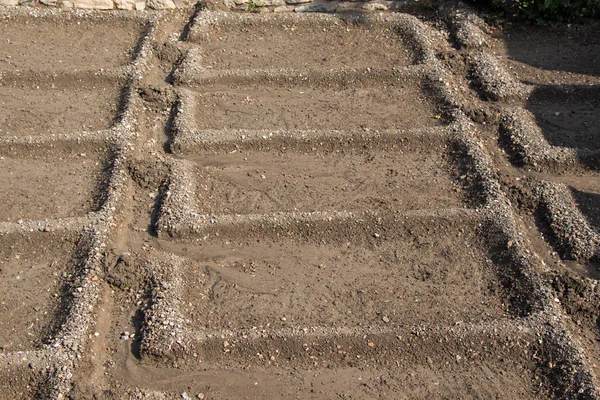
x,y
526,142
563,364
114,139
66,348
529,147
187,138
575,237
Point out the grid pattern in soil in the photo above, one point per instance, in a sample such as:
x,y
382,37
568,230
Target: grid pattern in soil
x,y
240,205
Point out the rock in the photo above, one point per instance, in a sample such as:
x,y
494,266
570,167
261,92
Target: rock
x,y
160,4
374,7
51,3
311,8
125,4
385,319
124,258
140,6
94,4
9,2
263,3
297,1
66,5
283,9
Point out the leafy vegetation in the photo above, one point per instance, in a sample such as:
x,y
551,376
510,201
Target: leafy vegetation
x,y
541,12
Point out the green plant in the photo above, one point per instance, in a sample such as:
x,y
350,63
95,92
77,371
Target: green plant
x,y
540,12
252,7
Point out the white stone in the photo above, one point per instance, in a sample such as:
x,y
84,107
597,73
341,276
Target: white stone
x,y
160,4
375,7
66,4
262,3
9,2
48,2
125,4
283,9
140,5
94,4
315,7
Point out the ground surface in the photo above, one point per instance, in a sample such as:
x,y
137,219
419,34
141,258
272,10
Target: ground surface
x,y
235,205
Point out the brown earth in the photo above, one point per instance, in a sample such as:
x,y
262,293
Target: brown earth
x,y
300,107
311,235
40,188
34,271
248,183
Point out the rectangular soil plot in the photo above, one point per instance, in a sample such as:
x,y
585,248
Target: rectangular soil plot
x,y
34,270
435,272
64,43
36,111
298,107
493,378
34,189
300,42
256,183
568,117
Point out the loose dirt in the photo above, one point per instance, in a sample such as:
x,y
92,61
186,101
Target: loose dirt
x,y
300,107
568,54
34,271
41,188
35,44
261,183
568,118
36,111
213,205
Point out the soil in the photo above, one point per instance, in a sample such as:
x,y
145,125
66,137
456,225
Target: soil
x,y
314,231
568,118
247,183
337,42
40,188
38,111
543,55
300,107
34,44
288,283
34,271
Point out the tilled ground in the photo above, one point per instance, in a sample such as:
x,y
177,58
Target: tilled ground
x,y
236,205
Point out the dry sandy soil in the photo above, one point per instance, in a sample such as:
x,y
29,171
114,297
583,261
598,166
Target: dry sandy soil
x,y
209,205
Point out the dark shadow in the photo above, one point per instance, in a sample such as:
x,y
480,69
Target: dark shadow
x,y
158,202
198,7
573,49
589,205
138,322
569,116
515,287
169,128
592,266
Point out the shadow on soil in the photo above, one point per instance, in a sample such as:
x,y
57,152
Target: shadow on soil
x,y
572,48
568,116
589,205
